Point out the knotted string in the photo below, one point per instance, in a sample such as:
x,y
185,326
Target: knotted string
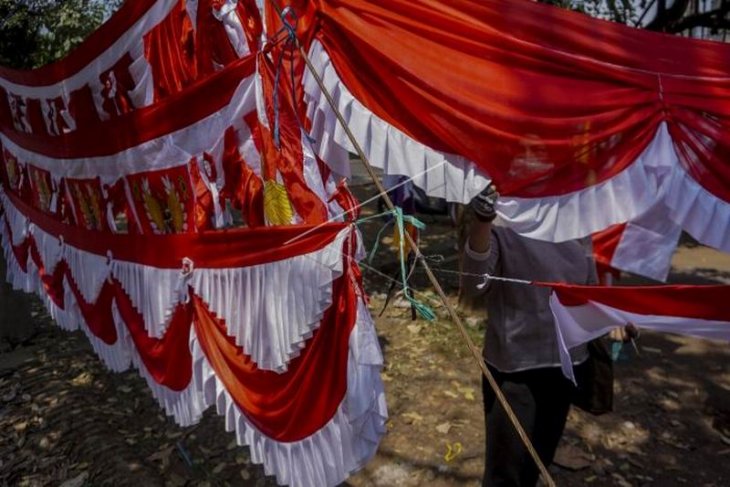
x,y
399,218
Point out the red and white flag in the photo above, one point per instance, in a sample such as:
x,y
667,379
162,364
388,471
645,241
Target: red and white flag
x,y
583,313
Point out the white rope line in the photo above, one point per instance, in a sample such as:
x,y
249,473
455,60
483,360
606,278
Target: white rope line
x,y
487,277
360,205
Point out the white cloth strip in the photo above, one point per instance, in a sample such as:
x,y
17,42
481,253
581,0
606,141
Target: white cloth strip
x,y
622,198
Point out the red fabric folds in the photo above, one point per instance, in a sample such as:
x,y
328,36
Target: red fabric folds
x,y
285,155
286,407
699,302
543,100
212,250
242,186
291,406
203,99
167,359
170,50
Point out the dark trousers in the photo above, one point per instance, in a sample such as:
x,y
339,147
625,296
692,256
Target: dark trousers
x,y
540,399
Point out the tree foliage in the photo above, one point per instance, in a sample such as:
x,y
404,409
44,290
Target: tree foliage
x,y
37,32
617,10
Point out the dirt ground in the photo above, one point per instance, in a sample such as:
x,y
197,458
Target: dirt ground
x,y
65,420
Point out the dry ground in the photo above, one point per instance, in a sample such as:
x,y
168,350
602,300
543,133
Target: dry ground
x,y
65,420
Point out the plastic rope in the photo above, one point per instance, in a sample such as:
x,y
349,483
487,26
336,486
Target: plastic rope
x,y
400,219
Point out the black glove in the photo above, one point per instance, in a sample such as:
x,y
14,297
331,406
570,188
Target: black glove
x,y
483,204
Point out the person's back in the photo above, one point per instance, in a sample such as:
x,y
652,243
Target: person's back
x,y
520,341
520,333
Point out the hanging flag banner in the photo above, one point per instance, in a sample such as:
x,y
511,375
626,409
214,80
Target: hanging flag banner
x,y
576,133
174,187
229,319
583,313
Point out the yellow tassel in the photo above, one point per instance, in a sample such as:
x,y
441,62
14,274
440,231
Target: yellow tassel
x,y
277,207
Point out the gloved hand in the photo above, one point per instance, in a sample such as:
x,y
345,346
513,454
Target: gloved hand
x,y
483,204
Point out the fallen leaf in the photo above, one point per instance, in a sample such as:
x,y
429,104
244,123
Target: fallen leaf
x,y
83,379
572,458
451,394
444,428
412,418
163,456
453,451
414,328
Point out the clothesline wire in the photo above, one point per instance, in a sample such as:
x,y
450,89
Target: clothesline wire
x,y
487,276
475,351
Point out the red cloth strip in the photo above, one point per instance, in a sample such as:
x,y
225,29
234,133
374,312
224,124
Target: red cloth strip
x,y
176,112
291,406
700,302
211,250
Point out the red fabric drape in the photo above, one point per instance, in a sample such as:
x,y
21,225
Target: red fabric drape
x,y
286,406
203,99
242,186
214,250
700,302
544,100
286,155
170,50
213,46
290,406
605,244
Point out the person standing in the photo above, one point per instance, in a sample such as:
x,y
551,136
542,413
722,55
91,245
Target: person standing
x,y
520,345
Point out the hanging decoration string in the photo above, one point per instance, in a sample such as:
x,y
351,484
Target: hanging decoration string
x,y
289,22
399,219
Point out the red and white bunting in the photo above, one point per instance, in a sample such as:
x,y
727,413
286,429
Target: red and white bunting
x,y
583,313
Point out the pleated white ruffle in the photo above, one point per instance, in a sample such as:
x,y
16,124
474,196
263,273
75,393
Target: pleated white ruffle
x,y
441,175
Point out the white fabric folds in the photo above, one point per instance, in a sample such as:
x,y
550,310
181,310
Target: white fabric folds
x,y
441,175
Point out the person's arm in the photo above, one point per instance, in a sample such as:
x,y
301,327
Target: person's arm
x,y
481,253
480,236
